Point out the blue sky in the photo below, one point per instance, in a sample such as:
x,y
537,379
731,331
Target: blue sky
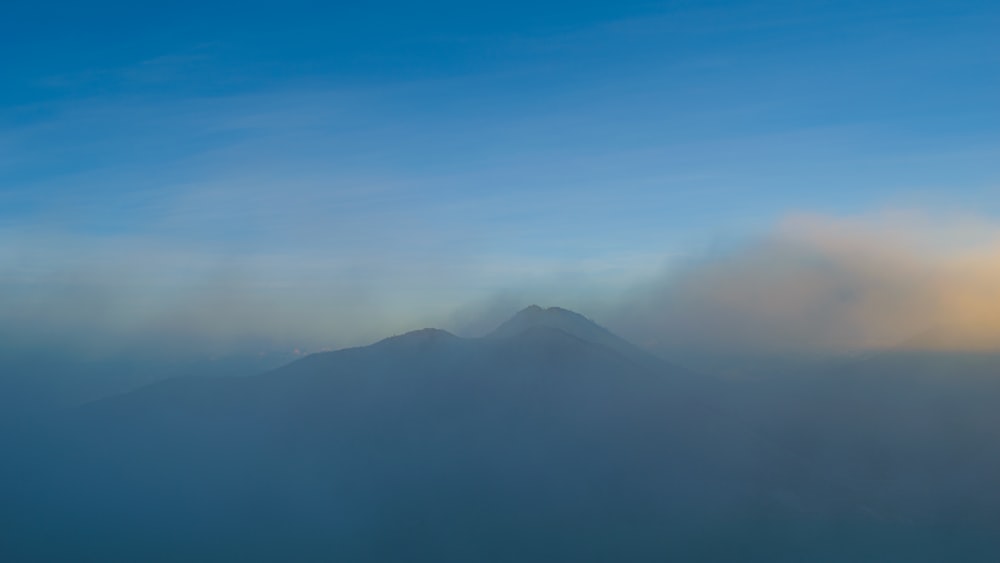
x,y
418,156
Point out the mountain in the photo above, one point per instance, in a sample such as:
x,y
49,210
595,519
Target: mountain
x,y
551,439
420,447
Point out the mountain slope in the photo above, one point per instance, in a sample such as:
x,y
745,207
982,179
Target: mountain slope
x,y
423,446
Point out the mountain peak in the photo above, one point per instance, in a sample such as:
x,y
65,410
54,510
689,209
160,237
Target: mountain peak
x,y
533,318
552,317
536,313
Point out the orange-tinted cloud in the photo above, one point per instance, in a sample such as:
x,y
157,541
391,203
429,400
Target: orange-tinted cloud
x,y
825,284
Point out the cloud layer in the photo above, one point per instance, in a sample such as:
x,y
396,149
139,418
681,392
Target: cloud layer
x,y
812,285
819,284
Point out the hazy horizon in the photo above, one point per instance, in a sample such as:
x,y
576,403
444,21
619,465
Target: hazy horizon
x,y
783,217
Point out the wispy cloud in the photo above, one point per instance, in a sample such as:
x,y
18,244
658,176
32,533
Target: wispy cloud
x,y
122,293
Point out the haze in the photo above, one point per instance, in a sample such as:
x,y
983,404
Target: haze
x,y
747,191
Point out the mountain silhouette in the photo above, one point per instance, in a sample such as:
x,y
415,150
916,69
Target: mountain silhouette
x,y
550,439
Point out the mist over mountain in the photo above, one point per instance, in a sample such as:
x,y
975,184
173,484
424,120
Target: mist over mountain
x,y
549,439
267,275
